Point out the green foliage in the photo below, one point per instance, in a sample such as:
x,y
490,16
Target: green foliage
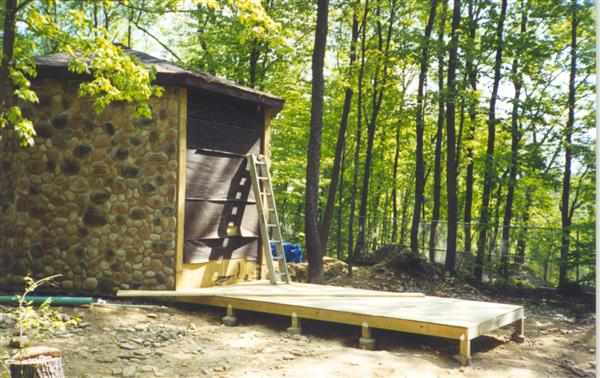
x,y
34,322
268,45
38,322
116,75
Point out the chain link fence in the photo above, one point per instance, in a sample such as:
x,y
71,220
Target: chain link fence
x,y
533,252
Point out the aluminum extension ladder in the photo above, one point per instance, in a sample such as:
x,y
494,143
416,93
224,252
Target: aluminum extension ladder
x,y
270,230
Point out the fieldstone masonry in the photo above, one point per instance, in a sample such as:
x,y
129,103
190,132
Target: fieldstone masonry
x,y
95,197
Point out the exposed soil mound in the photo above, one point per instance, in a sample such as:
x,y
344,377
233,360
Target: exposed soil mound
x,y
332,267
398,271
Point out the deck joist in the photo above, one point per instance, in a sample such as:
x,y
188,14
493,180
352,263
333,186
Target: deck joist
x,y
449,318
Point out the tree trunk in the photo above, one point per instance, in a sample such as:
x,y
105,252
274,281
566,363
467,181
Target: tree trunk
x,y
340,205
568,135
8,142
437,165
377,98
8,45
522,242
404,219
341,140
515,134
311,221
420,125
452,207
36,362
489,179
395,188
472,77
395,176
358,138
253,63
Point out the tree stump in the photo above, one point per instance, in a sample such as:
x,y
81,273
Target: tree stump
x,y
36,362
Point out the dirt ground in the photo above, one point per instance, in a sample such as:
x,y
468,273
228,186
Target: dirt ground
x,y
154,340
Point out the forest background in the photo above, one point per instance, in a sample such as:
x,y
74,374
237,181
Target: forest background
x,y
462,131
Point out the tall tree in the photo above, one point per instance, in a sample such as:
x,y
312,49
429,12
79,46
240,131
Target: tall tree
x,y
8,185
437,164
568,146
311,221
379,86
341,141
420,125
489,179
452,201
394,237
515,137
358,137
471,71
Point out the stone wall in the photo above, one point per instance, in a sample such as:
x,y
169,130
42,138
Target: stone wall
x,y
95,195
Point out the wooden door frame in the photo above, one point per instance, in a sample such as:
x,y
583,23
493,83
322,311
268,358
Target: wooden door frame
x,y
181,170
245,267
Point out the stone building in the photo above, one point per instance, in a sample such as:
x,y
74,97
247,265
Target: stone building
x,y
111,201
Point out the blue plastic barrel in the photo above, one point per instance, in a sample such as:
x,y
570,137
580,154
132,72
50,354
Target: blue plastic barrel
x,y
293,252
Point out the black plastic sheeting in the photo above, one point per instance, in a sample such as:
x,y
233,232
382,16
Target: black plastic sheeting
x,y
211,219
214,176
218,186
226,248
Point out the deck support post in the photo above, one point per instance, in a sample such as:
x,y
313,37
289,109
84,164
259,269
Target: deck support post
x,y
230,320
295,328
518,335
465,350
366,341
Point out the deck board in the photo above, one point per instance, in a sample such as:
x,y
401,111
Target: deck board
x,y
442,317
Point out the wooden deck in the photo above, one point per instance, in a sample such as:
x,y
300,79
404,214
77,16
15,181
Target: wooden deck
x,y
449,318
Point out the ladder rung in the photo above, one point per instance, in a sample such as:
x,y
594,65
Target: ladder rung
x,y
259,170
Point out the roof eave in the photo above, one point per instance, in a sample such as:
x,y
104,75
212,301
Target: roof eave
x,y
275,104
192,81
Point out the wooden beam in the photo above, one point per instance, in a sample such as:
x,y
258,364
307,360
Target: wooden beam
x,y
215,272
232,293
465,350
449,318
497,322
181,169
383,322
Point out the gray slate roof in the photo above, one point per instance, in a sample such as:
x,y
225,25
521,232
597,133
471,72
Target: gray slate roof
x,y
56,66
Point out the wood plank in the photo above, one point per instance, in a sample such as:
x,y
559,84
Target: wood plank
x,y
181,172
465,350
233,293
258,296
390,323
217,272
500,321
